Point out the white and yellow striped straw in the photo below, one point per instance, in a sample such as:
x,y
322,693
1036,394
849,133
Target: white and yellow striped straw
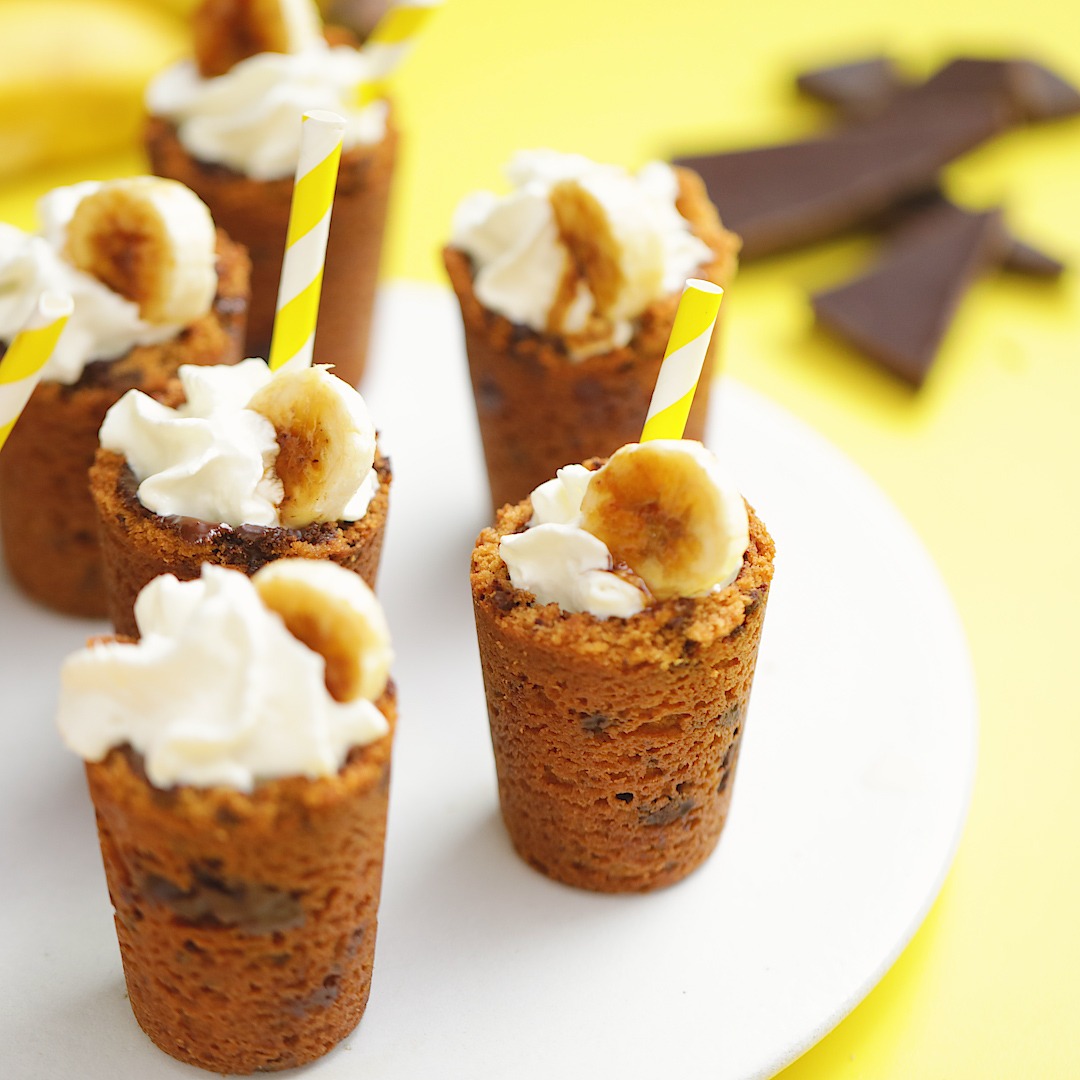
x,y
28,354
293,336
681,368
390,42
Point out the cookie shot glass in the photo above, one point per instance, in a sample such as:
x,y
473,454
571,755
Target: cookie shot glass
x,y
238,760
568,287
619,610
222,122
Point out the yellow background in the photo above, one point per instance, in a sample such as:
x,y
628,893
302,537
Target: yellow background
x,y
983,460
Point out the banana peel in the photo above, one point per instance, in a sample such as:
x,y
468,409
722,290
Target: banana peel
x,y
73,74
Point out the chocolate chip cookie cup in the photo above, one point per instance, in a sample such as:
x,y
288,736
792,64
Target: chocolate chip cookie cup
x,y
227,123
616,739
539,405
239,768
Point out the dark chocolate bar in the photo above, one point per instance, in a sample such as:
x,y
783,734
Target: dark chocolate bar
x,y
880,168
779,197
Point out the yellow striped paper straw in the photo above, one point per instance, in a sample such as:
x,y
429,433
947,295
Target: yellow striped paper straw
x,y
28,354
390,42
681,368
293,337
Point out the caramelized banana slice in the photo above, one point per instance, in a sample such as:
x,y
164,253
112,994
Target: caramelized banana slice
x,y
228,31
334,613
613,242
586,233
150,240
668,510
326,442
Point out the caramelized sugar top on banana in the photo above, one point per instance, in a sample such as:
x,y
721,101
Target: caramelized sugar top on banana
x,y
659,520
236,680
138,256
249,447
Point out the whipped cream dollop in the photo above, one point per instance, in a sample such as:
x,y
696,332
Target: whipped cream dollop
x,y
521,259
249,118
216,692
212,458
560,562
104,324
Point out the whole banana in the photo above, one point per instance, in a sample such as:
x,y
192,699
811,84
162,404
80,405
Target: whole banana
x,y
72,76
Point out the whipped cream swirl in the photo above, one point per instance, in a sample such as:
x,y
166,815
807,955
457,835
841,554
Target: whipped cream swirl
x,y
520,260
249,118
216,691
104,324
212,458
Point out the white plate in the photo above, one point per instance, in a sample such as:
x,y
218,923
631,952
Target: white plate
x,y
852,788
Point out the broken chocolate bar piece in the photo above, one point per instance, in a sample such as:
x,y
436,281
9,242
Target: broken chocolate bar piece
x,y
1032,92
898,312
1022,258
857,89
778,197
864,88
1018,256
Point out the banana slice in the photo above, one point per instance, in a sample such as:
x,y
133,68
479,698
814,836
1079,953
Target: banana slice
x,y
150,240
668,510
609,229
326,442
586,233
228,31
333,612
